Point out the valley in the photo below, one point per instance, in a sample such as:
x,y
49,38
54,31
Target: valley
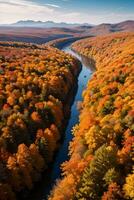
x,y
66,105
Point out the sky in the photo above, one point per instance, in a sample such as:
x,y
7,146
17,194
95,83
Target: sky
x,y
71,11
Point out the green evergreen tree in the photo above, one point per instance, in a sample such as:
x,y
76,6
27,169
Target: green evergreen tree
x,y
92,183
111,176
43,149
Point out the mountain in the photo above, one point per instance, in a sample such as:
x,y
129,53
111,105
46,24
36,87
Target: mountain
x,y
27,23
102,29
47,24
90,29
126,25
41,32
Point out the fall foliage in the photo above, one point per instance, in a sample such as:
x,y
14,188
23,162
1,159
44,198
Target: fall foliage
x,y
35,82
101,152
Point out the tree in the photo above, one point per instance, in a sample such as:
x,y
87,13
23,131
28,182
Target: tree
x,y
129,186
24,160
111,176
92,184
43,148
36,117
36,158
15,177
113,193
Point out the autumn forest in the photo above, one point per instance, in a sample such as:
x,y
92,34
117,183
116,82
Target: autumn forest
x,y
66,109
35,82
101,153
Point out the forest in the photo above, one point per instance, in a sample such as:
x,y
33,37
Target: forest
x,y
66,100
101,152
35,82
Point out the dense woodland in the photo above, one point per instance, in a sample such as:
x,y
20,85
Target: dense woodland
x,y
34,85
101,153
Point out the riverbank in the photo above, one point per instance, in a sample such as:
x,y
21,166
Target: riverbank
x,y
44,186
62,42
101,161
43,189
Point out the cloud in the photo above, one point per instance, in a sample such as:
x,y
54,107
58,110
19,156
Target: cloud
x,y
52,5
15,10
16,2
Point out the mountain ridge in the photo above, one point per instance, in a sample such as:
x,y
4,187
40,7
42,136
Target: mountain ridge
x,y
49,24
45,24
45,34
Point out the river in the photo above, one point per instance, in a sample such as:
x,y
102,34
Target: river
x,y
83,78
62,154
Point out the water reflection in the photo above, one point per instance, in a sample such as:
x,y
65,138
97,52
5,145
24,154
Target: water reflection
x,y
89,63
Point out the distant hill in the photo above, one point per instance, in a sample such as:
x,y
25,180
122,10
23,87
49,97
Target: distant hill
x,y
47,24
109,28
92,29
126,25
41,32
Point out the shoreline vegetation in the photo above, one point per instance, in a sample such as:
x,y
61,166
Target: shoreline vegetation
x,y
34,111
101,152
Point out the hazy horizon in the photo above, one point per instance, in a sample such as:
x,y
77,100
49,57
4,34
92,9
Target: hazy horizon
x,y
69,11
64,22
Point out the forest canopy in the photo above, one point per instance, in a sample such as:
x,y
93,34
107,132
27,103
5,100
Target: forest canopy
x,y
101,153
35,82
